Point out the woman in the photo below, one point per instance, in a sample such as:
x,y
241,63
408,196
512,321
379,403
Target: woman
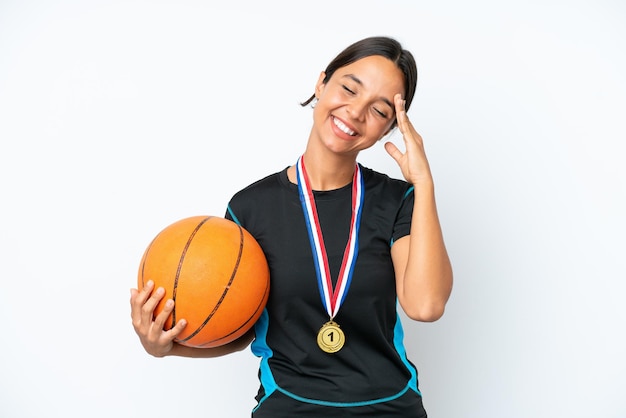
x,y
345,245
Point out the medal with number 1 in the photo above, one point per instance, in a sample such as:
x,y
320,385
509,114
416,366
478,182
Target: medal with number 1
x,y
330,337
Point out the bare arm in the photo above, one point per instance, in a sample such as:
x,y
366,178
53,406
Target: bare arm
x,y
423,269
160,343
421,262
238,345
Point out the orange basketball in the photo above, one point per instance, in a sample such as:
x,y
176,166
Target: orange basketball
x,y
215,272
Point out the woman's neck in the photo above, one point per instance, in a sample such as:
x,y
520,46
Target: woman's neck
x,y
325,172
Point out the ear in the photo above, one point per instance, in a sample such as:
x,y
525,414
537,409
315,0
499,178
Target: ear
x,y
319,87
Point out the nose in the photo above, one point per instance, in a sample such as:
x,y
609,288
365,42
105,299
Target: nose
x,y
356,109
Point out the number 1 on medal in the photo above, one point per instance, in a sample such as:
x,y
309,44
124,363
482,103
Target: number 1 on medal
x,y
330,337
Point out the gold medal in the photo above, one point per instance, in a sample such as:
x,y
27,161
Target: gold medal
x,y
331,338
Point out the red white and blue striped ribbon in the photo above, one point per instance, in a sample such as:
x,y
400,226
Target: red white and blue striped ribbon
x,y
331,298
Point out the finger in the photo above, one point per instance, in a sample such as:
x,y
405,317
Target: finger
x,y
147,309
393,151
133,297
177,329
401,116
405,126
143,294
159,320
138,299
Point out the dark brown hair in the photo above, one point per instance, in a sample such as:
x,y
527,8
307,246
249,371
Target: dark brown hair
x,y
377,45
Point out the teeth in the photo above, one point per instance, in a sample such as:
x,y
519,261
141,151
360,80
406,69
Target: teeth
x,y
339,124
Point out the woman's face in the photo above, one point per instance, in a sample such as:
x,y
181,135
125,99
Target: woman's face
x,y
355,107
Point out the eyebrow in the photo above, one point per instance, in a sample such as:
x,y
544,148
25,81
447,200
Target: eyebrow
x,y
360,83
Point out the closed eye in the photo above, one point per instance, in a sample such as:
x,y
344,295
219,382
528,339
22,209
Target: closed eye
x,y
347,89
381,113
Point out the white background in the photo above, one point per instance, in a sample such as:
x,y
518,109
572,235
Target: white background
x,y
120,117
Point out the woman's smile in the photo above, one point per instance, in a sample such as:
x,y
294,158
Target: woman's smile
x,y
343,127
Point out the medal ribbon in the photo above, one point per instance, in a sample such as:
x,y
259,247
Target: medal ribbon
x,y
331,298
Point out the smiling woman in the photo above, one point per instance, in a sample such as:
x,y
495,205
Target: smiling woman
x,y
344,244
360,108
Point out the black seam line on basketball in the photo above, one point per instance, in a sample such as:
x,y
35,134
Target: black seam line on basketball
x,y
230,282
143,265
180,266
267,287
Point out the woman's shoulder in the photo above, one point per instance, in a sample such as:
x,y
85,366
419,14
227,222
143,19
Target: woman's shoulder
x,y
264,184
383,182
270,188
260,199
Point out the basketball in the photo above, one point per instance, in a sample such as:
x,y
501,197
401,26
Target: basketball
x,y
215,272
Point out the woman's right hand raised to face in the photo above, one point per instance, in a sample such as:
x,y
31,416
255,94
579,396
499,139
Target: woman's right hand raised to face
x,y
155,340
